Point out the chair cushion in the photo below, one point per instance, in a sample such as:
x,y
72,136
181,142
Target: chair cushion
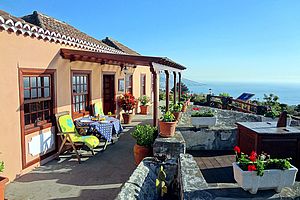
x,y
98,109
90,140
67,125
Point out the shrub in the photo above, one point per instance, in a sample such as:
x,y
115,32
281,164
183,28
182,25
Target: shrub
x,y
272,113
224,94
168,117
201,98
144,135
206,113
144,100
162,95
1,166
176,107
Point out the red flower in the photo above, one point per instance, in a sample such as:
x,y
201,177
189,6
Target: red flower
x,y
253,153
251,168
237,149
252,158
196,108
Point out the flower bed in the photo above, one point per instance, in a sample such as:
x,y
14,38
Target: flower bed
x,y
256,172
204,118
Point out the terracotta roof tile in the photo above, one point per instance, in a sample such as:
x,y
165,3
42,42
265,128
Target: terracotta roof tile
x,y
117,45
54,25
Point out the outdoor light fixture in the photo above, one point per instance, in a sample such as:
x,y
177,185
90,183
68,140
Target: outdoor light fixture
x,y
125,70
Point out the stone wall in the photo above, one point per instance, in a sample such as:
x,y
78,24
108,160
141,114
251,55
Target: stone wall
x,y
222,136
141,184
225,118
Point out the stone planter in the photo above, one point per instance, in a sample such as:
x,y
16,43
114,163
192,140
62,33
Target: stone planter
x,y
127,118
167,129
203,121
140,152
144,110
272,179
3,181
177,115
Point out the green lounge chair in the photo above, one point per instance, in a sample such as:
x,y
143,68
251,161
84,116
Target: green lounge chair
x,y
70,136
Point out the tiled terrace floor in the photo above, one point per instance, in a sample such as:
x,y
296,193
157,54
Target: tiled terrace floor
x,y
216,167
97,177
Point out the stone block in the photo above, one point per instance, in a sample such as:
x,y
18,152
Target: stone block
x,y
169,147
192,182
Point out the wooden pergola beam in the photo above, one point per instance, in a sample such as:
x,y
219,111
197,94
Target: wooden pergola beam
x,y
175,84
167,90
179,86
155,95
122,58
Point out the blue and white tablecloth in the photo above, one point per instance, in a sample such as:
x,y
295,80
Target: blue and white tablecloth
x,y
105,129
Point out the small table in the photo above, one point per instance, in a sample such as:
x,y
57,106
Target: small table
x,y
107,128
279,142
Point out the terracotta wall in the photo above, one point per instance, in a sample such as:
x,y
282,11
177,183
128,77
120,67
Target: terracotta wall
x,y
18,51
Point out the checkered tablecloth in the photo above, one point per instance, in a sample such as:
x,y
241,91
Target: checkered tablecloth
x,y
104,129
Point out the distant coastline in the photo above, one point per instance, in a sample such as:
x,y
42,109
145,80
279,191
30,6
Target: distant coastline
x,y
289,93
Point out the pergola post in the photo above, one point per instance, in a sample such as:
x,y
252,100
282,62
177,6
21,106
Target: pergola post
x,y
179,86
167,90
175,86
155,95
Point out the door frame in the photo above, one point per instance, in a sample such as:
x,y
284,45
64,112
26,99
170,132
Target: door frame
x,y
89,74
115,88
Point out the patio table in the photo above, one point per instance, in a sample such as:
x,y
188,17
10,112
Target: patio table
x,y
107,130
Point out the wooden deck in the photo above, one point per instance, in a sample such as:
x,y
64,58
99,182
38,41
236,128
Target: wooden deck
x,y
216,166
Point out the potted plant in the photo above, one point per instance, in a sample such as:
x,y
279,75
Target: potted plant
x,y
167,125
3,181
258,172
144,100
127,102
145,136
176,110
204,118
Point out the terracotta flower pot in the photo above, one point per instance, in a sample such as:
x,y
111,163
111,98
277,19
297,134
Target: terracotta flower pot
x,y
3,181
167,129
184,107
177,115
140,152
127,118
144,110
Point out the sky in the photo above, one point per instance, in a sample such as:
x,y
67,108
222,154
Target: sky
x,y
217,40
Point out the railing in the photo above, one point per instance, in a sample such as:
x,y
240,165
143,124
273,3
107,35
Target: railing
x,y
231,104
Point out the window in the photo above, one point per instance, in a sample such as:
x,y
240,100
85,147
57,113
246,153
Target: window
x,y
143,85
120,85
37,99
129,83
80,94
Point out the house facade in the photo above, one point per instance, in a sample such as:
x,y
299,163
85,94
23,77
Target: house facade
x,y
48,66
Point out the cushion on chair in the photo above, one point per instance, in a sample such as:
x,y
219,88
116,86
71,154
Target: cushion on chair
x,y
98,110
67,125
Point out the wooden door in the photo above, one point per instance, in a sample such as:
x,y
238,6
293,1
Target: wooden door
x,y
109,102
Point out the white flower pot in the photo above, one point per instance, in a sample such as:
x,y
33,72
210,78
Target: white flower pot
x,y
203,121
272,179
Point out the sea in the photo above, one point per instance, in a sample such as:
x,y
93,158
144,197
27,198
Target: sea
x,y
289,93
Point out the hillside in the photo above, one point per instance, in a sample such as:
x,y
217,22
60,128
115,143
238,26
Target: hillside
x,y
189,83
